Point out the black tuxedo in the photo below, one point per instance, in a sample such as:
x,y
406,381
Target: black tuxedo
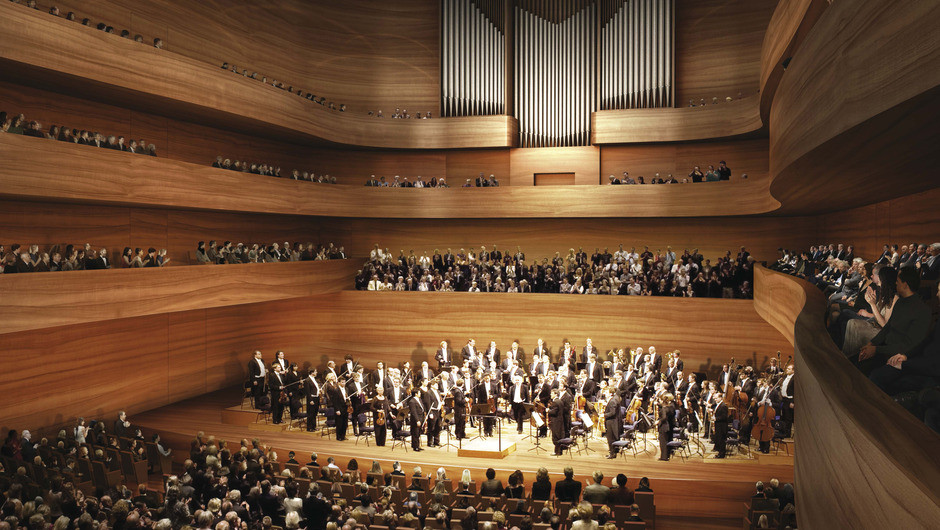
x,y
276,384
256,375
613,422
467,354
481,397
416,413
518,411
721,429
339,405
312,394
596,372
443,363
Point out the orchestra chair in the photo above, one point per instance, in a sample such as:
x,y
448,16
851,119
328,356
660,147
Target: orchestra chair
x,y
329,424
296,416
248,394
644,500
365,431
264,408
777,441
734,439
401,438
565,444
680,445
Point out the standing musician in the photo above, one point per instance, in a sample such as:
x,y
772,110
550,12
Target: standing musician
x,y
567,403
556,420
774,372
381,415
330,369
762,396
487,390
336,391
348,367
613,422
588,350
679,364
721,425
593,369
377,378
425,373
515,353
787,391
654,360
312,393
279,359
691,397
444,357
747,385
540,349
276,385
518,394
257,373
665,424
416,415
671,373
469,351
356,394
566,355
544,396
433,404
460,409
726,377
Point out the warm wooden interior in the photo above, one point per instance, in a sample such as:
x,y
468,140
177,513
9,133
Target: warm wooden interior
x,y
890,451
839,147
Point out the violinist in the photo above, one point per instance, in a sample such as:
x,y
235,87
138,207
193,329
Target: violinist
x,y
678,362
381,415
774,371
348,367
356,392
518,394
377,377
416,416
691,397
276,383
460,409
763,397
629,385
593,369
544,396
425,373
312,393
433,405
654,361
671,372
747,385
281,361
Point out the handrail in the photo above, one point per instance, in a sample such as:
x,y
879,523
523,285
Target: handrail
x,y
90,175
863,461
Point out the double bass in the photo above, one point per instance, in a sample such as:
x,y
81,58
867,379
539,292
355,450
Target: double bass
x,y
763,428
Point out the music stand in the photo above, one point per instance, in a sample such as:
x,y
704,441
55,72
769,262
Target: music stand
x,y
479,410
535,420
529,408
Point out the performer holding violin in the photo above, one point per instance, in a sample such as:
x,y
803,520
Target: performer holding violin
x,y
381,412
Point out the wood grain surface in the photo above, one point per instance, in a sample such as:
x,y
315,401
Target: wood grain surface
x,y
45,300
849,432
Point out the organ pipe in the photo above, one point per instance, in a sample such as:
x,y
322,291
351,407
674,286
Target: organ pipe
x,y
569,58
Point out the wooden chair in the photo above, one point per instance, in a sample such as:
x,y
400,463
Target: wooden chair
x,y
102,477
632,525
135,472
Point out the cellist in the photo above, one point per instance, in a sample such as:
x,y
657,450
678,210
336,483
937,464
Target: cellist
x,y
763,415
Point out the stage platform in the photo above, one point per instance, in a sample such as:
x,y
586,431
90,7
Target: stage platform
x,y
697,491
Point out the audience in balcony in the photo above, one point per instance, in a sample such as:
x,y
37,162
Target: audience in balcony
x,y
722,173
19,125
231,253
69,258
878,317
623,272
70,16
270,170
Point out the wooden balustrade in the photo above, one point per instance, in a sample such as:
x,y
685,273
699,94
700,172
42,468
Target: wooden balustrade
x,y
863,461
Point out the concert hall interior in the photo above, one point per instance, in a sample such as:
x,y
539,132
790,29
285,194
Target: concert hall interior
x,y
369,222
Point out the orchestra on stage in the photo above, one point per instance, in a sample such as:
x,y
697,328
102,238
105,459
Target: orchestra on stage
x,y
576,394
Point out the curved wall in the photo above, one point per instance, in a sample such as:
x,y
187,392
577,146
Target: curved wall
x,y
863,461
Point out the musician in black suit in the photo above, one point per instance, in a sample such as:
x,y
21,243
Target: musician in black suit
x,y
540,349
433,403
613,422
692,395
416,415
721,426
460,409
727,376
312,393
487,390
665,425
276,384
257,373
376,378
336,392
567,402
680,366
281,360
424,373
469,351
444,356
787,391
593,369
356,394
556,421
588,350
347,368
655,362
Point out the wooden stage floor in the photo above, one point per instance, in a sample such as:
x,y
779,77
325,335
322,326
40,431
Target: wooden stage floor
x,y
694,493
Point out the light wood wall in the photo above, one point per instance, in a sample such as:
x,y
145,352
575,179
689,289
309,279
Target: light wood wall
x,y
847,430
742,156
718,46
370,55
541,238
855,115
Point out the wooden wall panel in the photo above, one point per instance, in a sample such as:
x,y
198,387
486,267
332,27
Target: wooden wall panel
x,y
901,221
718,46
187,362
395,327
35,301
541,238
855,115
105,176
888,450
740,117
366,54
175,85
584,162
742,156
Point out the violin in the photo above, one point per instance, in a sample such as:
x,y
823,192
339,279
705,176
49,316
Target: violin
x,y
380,417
